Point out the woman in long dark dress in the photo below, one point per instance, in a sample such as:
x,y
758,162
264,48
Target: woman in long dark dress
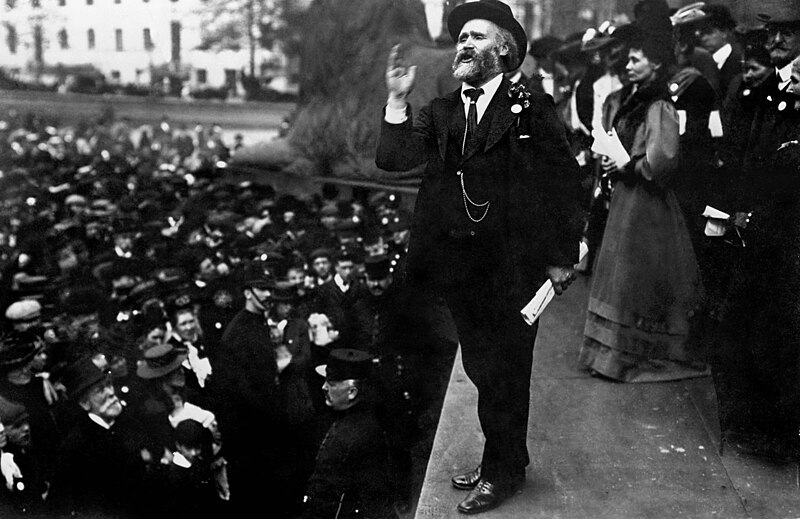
x,y
646,285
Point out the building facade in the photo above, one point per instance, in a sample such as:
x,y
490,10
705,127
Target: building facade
x,y
128,41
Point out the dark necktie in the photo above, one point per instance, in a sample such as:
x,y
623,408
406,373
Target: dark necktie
x,y
472,116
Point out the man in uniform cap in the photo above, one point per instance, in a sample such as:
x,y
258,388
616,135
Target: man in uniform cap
x,y
246,377
24,314
495,217
350,477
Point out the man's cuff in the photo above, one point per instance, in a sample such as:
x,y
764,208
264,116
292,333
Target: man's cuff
x,y
395,116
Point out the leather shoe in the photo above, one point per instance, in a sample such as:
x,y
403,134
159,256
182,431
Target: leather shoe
x,y
467,481
485,496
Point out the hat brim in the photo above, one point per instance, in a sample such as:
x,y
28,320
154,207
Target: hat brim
x,y
145,371
480,10
85,385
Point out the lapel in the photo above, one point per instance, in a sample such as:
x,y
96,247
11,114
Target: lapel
x,y
442,111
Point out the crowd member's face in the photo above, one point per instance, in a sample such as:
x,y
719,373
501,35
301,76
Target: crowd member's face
x,y
755,73
191,453
783,43
155,337
102,400
794,83
283,309
19,434
640,69
339,394
478,52
39,361
377,287
712,38
3,436
296,277
187,326
322,267
345,270
67,259
124,241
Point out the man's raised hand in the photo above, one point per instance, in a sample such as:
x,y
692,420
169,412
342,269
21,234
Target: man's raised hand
x,y
399,78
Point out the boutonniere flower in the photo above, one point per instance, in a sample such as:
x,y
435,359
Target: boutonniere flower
x,y
521,98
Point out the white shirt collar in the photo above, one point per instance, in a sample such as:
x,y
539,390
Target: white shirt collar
x,y
99,421
489,90
340,283
722,55
516,77
180,460
784,76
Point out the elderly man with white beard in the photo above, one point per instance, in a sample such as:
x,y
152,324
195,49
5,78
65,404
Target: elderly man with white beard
x,y
496,216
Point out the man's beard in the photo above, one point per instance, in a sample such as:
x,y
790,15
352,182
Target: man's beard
x,y
483,65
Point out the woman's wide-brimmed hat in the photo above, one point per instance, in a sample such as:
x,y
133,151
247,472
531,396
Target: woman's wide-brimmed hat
x,y
159,361
496,12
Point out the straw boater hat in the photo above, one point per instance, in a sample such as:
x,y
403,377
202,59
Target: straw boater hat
x,y
494,11
159,361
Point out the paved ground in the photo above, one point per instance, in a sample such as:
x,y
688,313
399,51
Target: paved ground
x,y
606,450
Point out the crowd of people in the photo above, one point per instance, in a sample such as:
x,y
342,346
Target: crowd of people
x,y
691,229
178,342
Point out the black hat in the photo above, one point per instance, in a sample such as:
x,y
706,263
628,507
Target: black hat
x,y
81,375
159,361
16,349
83,300
282,293
719,16
191,433
320,253
494,11
347,364
544,46
377,266
257,275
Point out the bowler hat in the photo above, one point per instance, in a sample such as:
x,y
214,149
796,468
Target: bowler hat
x,y
496,12
717,15
11,413
81,375
159,361
16,349
320,253
377,266
347,364
779,11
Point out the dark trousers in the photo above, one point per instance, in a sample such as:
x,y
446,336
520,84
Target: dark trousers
x,y
497,353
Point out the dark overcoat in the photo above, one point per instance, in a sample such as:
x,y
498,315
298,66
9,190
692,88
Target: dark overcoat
x,y
521,164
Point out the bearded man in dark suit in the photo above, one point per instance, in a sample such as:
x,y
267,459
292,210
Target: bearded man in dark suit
x,y
495,217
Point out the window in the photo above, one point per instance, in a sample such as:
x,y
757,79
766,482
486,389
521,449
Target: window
x,y
11,3
202,76
63,39
115,75
118,39
11,38
148,40
36,3
89,2
90,38
62,3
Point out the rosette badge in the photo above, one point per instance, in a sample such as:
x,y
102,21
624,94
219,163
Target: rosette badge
x,y
521,96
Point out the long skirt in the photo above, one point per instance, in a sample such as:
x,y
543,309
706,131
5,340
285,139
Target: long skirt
x,y
645,291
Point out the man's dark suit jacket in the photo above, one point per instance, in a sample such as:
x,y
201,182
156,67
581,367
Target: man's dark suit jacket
x,y
521,163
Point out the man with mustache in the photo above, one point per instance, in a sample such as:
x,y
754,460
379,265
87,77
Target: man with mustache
x,y
99,470
783,37
494,218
